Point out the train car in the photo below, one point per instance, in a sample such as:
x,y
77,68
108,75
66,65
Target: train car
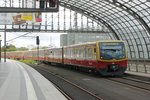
x,y
14,55
104,57
41,54
28,55
54,55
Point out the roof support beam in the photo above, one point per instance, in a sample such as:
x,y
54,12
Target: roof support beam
x,y
131,12
26,10
47,30
92,16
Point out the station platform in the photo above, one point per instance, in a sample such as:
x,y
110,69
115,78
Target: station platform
x,y
138,74
19,81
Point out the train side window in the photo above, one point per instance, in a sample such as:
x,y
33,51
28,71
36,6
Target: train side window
x,y
89,53
94,50
78,54
64,52
94,53
74,53
84,53
70,52
67,52
81,53
51,51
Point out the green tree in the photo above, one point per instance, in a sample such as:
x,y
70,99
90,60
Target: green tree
x,y
9,48
43,47
22,49
35,48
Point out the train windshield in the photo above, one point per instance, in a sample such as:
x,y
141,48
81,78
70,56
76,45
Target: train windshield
x,y
114,50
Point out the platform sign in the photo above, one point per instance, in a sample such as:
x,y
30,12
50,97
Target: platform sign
x,y
20,18
27,16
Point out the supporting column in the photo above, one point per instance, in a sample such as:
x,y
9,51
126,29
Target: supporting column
x,y
5,44
52,23
64,19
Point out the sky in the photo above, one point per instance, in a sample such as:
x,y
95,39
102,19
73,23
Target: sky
x,y
45,39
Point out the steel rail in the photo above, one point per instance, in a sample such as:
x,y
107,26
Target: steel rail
x,y
137,80
129,84
73,84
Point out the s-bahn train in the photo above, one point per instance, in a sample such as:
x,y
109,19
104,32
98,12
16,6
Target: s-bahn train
x,y
103,57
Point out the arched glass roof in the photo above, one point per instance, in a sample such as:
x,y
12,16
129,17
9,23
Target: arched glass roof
x,y
128,19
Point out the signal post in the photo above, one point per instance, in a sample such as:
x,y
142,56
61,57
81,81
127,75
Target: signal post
x,y
37,43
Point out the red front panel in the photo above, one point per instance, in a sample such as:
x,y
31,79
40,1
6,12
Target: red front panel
x,y
102,64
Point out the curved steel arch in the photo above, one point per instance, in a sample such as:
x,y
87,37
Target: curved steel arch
x,y
131,12
115,3
92,16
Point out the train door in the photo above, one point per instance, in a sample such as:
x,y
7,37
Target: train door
x,y
91,56
88,56
84,60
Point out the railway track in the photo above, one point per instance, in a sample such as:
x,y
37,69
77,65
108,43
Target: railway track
x,y
70,90
132,82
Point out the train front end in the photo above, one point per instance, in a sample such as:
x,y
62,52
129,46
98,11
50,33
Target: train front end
x,y
112,58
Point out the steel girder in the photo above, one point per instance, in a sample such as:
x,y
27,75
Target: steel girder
x,y
131,12
129,20
92,16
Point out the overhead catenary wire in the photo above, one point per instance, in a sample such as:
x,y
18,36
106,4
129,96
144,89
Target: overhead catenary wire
x,y
18,37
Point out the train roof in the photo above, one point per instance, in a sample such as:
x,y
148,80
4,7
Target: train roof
x,y
82,44
88,43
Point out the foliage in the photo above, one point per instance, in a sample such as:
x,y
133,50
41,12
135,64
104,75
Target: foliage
x,y
10,48
43,47
13,48
28,61
22,49
34,49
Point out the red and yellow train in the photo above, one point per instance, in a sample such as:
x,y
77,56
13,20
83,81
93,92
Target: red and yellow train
x,y
104,57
